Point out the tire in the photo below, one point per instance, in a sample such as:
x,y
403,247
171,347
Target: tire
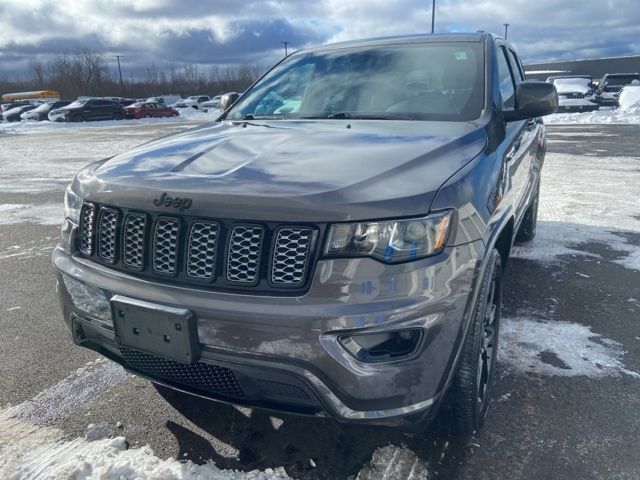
x,y
147,115
118,116
527,230
175,114
77,118
470,391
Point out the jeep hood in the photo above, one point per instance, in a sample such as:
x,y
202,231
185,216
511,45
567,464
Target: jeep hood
x,y
290,170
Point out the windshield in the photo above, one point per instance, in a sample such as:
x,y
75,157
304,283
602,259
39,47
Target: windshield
x,y
422,81
572,81
43,108
622,79
76,104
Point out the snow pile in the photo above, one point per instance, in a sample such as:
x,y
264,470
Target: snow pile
x,y
630,98
40,453
31,448
619,115
557,348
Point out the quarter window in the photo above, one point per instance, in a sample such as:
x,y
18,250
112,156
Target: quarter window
x,y
517,69
507,89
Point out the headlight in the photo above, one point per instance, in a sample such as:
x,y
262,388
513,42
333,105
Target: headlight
x,y
72,205
390,241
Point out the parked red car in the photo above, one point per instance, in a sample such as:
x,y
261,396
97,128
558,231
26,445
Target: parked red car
x,y
148,110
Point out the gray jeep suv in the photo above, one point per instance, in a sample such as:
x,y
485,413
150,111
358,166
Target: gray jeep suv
x,y
333,245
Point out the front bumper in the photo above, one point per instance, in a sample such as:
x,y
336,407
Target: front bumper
x,y
576,105
290,344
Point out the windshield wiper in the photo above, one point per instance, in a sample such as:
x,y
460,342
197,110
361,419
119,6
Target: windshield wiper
x,y
251,116
361,116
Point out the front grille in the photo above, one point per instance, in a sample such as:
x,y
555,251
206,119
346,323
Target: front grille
x,y
87,223
201,250
243,258
291,256
221,253
108,235
165,245
203,376
573,95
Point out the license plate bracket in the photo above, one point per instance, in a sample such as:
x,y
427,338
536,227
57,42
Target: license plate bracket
x,y
159,330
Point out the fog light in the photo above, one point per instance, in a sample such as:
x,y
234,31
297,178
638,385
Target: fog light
x,y
382,347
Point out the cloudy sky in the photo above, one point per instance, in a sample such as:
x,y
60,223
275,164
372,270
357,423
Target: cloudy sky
x,y
230,32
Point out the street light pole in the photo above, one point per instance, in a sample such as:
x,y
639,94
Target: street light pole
x,y
120,73
286,53
506,30
433,16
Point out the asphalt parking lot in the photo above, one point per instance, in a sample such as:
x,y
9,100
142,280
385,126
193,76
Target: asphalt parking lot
x,y
567,396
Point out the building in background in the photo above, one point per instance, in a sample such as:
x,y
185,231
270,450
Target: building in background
x,y
596,67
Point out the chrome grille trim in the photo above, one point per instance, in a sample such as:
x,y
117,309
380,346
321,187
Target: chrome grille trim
x,y
202,250
135,225
291,252
165,245
87,224
244,252
108,234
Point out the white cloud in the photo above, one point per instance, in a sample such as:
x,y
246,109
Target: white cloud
x,y
161,30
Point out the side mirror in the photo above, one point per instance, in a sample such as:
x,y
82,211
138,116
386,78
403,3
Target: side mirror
x,y
227,100
533,99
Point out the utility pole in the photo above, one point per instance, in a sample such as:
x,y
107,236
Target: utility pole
x,y
433,16
120,72
286,53
506,30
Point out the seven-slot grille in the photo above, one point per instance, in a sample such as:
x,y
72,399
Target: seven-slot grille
x,y
218,252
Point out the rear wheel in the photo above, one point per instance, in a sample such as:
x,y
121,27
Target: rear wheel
x,y
472,385
118,116
527,231
148,115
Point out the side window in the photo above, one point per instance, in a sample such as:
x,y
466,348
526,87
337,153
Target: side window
x,y
507,88
517,67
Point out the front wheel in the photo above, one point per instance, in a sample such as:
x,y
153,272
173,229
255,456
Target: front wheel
x,y
527,230
472,385
118,116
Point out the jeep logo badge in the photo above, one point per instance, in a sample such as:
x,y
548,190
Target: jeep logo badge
x,y
176,202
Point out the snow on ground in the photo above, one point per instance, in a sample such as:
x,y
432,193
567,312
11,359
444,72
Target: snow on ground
x,y
598,202
32,449
44,214
29,249
392,463
26,127
532,344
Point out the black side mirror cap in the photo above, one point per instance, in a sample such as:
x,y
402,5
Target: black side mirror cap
x,y
533,99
